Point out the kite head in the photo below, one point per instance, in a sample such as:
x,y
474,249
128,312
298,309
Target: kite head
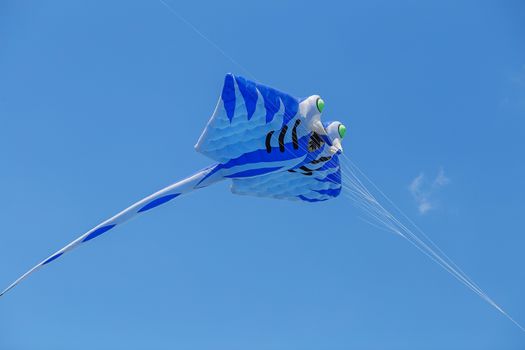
x,y
311,108
335,132
332,132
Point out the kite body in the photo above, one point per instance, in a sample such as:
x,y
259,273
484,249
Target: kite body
x,y
268,143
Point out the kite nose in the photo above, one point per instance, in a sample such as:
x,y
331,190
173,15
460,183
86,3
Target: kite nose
x,y
336,146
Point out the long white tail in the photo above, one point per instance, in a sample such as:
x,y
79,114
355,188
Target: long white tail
x,y
165,195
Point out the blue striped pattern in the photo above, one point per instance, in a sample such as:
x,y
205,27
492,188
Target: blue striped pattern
x,y
246,113
272,99
323,183
98,232
228,96
332,192
156,202
248,90
311,200
54,257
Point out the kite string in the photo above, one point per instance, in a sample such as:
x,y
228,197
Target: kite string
x,y
376,214
212,43
449,265
446,257
408,218
388,216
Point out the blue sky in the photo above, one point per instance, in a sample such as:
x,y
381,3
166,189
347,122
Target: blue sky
x,y
101,103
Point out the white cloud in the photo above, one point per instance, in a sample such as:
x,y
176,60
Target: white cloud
x,y
424,206
518,77
415,185
514,96
441,179
424,191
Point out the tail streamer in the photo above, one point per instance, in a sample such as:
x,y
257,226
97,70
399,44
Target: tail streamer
x,y
156,199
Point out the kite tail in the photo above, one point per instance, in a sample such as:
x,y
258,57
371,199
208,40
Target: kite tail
x,y
201,179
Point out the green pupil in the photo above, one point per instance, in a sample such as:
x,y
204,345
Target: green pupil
x,y
342,130
320,104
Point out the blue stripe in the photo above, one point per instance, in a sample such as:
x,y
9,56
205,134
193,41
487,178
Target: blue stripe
x,y
309,199
330,192
249,93
332,163
228,96
98,232
333,177
272,99
156,202
54,257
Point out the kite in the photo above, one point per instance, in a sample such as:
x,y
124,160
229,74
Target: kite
x,y
270,144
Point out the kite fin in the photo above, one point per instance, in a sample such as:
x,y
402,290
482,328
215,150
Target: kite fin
x,y
199,180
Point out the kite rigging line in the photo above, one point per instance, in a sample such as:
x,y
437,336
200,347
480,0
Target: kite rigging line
x,y
372,207
362,198
205,38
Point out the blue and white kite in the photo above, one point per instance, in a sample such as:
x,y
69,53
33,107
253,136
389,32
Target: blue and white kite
x,y
269,143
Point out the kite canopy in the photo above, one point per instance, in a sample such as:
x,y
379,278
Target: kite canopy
x,y
272,144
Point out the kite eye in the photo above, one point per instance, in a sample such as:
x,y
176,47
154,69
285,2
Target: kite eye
x,y
342,130
320,104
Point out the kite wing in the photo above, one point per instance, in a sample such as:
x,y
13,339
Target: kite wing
x,y
310,184
245,114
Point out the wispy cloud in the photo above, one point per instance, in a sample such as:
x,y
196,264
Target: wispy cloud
x,y
514,97
518,77
423,191
441,179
